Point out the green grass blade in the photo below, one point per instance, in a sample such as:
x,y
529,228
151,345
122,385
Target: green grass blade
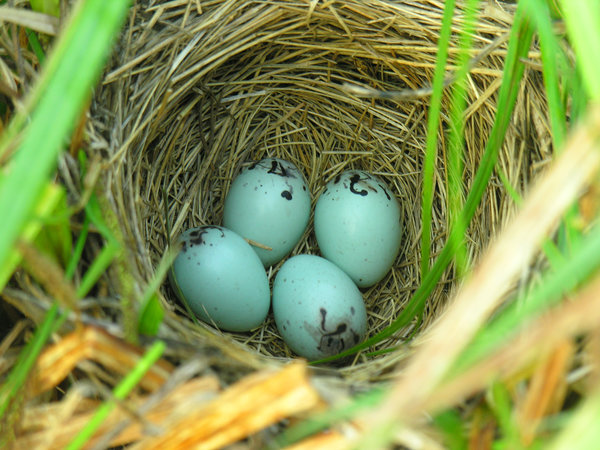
x,y
502,407
71,71
519,44
433,121
36,46
458,104
579,100
20,372
151,313
150,317
583,25
51,7
47,203
554,62
119,393
451,425
104,259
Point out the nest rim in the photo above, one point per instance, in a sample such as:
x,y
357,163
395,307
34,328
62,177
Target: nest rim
x,y
190,118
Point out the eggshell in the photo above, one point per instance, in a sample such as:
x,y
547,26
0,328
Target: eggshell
x,y
269,203
318,310
358,226
221,278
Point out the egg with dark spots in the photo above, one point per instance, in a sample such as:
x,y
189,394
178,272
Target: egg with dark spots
x,y
318,309
221,278
269,204
358,226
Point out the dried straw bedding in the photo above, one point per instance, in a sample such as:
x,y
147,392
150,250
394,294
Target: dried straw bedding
x,y
191,96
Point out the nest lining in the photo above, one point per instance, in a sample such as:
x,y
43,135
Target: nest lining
x,y
191,97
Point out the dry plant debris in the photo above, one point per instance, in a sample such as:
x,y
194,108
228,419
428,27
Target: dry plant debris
x,y
196,413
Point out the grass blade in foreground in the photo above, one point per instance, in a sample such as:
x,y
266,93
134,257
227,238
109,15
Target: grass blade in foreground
x,y
432,132
456,142
494,276
519,43
151,312
66,83
582,263
18,375
120,392
554,63
583,25
45,205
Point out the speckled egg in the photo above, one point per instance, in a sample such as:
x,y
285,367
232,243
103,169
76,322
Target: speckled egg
x,y
318,310
221,278
358,226
269,203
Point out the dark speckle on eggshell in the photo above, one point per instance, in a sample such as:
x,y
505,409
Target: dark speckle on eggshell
x,y
287,195
333,343
277,168
323,313
196,237
355,178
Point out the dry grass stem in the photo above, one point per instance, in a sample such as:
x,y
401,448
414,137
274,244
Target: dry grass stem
x,y
540,339
248,406
90,343
55,425
43,23
547,390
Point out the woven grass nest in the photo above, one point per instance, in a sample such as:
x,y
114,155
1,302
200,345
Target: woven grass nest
x,y
196,91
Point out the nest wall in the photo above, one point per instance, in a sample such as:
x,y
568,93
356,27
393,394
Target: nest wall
x,y
193,95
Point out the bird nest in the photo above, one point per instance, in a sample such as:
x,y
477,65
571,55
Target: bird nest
x,y
197,90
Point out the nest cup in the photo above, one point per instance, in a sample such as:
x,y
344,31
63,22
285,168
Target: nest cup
x,y
198,90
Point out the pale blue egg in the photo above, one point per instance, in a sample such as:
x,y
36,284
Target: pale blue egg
x,y
269,203
221,278
358,226
318,310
